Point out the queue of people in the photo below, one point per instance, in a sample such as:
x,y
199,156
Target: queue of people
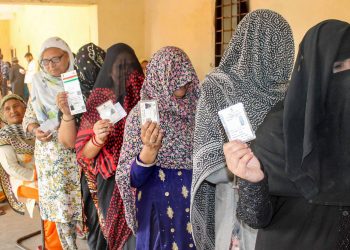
x,y
179,182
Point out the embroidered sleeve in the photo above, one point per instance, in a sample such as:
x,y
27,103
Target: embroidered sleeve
x,y
139,172
254,205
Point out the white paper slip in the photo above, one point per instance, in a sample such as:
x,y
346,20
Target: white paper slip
x,y
149,111
71,85
236,123
49,125
114,113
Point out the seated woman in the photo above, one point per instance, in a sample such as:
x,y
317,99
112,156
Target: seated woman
x,y
2,195
17,171
16,152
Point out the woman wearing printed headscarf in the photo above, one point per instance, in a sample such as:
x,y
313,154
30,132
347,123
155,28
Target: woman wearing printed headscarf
x,y
16,152
58,172
2,195
88,62
254,70
17,169
156,159
99,141
303,148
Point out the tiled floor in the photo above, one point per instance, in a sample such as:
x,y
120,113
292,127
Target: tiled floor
x,y
13,226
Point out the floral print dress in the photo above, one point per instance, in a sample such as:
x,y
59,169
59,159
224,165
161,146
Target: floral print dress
x,y
58,178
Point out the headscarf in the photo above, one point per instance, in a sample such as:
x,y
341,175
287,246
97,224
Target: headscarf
x,y
9,97
13,134
254,70
168,70
46,87
88,62
22,143
126,90
317,116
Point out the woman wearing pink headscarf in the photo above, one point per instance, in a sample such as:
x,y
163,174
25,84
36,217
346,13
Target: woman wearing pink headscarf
x,y
156,159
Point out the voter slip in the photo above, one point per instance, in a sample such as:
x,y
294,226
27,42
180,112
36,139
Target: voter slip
x,y
149,111
71,85
49,125
236,123
112,112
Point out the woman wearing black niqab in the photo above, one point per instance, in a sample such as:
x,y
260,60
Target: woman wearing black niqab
x,y
301,198
99,142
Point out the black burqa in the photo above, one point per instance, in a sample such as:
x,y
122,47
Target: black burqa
x,y
88,63
119,80
304,148
317,116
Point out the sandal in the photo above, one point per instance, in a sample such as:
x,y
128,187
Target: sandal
x,y
80,233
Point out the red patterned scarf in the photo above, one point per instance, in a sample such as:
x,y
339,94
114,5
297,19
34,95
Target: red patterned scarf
x,y
114,227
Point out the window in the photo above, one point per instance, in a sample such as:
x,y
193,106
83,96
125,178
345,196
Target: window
x,y
228,13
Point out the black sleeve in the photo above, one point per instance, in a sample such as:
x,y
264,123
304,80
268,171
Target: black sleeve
x,y
254,205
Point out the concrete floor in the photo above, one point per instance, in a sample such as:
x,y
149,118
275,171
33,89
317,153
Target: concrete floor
x,y
14,226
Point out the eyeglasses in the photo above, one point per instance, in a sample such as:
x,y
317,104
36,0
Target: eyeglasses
x,y
53,60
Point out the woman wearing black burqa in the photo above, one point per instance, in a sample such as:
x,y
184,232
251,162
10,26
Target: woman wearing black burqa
x,y
295,182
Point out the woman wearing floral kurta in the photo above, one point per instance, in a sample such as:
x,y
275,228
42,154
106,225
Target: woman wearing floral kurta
x,y
58,172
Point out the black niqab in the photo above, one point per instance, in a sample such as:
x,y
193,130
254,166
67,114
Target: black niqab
x,y
316,122
120,61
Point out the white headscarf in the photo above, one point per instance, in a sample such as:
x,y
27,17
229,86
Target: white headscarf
x,y
46,87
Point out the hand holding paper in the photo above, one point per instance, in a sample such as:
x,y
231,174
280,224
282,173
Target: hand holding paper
x,y
151,136
62,103
242,162
102,129
71,85
43,136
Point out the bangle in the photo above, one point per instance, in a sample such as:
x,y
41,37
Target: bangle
x,y
93,140
68,119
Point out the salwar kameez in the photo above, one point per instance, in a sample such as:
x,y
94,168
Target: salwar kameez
x,y
162,207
